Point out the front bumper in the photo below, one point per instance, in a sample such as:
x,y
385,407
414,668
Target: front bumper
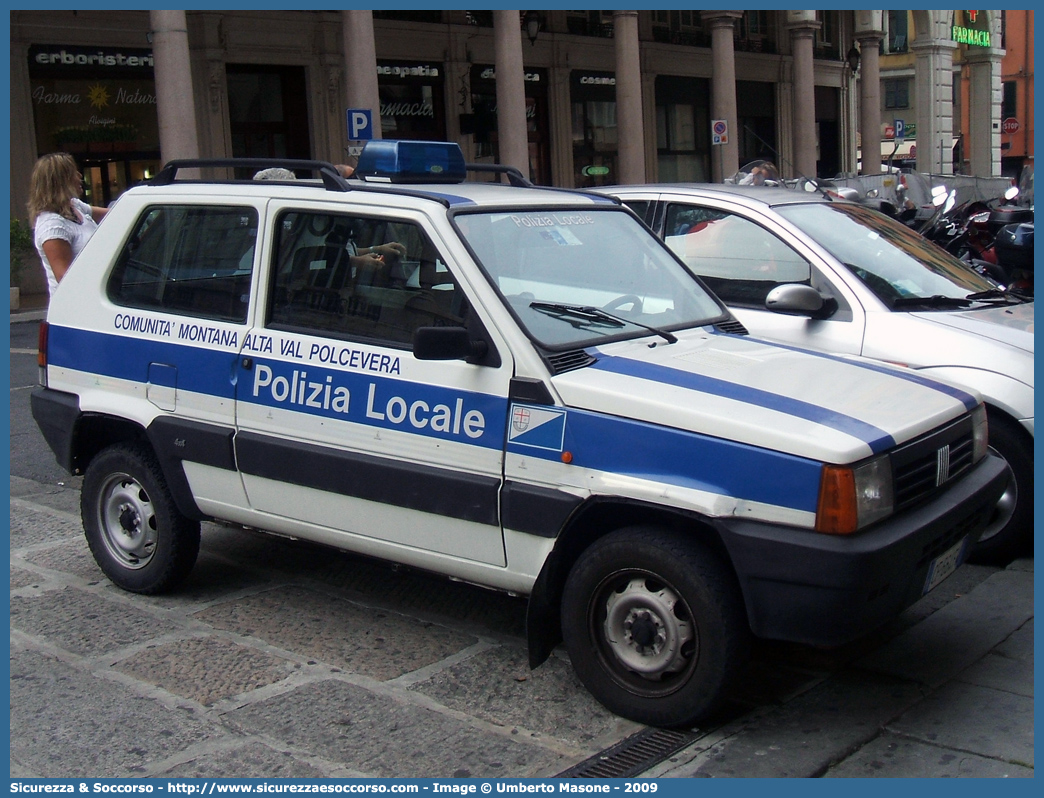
x,y
807,587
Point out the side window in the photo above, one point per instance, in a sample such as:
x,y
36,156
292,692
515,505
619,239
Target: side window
x,y
344,276
190,260
740,260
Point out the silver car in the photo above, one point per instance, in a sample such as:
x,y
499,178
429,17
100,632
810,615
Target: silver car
x,y
840,277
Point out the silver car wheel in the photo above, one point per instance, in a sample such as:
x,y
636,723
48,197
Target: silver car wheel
x,y
128,521
646,628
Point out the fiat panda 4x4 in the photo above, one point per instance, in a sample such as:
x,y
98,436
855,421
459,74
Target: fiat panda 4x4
x,y
517,387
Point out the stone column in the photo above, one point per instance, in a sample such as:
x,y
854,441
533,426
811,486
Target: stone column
x,y
175,104
360,65
985,94
630,128
560,110
869,32
724,157
803,25
512,132
934,87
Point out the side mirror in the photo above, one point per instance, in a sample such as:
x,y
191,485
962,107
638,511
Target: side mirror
x,y
446,343
795,299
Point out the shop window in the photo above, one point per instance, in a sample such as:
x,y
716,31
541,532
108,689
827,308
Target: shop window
x,y
99,104
756,122
268,112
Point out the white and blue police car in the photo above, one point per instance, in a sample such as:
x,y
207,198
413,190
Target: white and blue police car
x,y
514,386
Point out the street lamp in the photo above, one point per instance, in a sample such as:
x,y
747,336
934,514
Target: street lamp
x,y
853,59
532,24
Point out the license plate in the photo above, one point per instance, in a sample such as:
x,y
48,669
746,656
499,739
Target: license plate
x,y
944,565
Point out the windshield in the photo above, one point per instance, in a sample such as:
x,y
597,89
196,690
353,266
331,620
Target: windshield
x,y
894,262
576,277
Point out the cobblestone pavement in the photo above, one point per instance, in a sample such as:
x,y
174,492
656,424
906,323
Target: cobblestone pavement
x,y
284,659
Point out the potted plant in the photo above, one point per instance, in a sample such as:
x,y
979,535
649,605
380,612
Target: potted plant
x,y
21,247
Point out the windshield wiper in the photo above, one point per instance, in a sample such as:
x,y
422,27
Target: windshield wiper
x,y
597,316
935,301
999,295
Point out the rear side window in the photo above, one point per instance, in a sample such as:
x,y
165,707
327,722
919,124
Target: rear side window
x,y
189,260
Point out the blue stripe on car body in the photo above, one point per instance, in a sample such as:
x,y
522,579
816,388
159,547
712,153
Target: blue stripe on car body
x,y
126,357
614,445
597,441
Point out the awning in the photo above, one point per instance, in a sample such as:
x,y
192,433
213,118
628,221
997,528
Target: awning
x,y
907,150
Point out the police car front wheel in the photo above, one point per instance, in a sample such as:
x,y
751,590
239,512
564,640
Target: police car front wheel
x,y
654,625
137,535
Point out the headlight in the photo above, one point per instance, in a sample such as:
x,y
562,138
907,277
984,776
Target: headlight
x,y
980,433
852,497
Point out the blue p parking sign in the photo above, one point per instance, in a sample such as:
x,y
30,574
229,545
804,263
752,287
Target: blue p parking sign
x,y
360,124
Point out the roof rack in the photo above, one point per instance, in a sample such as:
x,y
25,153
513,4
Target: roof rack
x,y
331,178
514,175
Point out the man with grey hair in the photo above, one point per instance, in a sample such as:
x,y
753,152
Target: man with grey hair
x,y
275,173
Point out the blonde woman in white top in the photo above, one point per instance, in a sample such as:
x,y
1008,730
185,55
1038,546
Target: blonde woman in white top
x,y
62,222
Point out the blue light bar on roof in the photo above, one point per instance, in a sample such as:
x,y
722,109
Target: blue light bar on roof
x,y
388,161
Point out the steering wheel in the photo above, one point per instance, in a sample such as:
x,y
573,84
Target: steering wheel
x,y
627,299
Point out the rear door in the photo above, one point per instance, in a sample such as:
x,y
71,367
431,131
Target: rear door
x,y
179,294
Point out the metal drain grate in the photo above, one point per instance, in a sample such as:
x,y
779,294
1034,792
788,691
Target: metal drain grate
x,y
632,756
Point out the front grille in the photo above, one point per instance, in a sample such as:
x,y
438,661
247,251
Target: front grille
x,y
569,361
923,466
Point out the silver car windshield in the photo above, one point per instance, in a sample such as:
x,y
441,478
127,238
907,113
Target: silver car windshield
x,y
576,277
894,262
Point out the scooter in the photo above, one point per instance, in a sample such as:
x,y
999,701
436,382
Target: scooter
x,y
1013,252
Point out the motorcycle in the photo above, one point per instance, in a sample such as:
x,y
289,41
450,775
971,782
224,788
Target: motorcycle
x,y
969,230
1011,258
994,237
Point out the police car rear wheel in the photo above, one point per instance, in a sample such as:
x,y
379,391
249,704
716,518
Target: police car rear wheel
x,y
137,535
654,626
